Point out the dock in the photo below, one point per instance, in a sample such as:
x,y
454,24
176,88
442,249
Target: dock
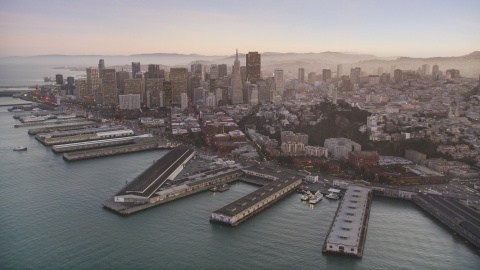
x,y
51,122
348,231
64,127
109,151
452,213
48,140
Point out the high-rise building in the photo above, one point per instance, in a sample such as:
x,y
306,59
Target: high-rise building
x,y
92,80
218,95
312,78
339,71
425,70
135,69
253,66
198,94
243,73
436,72
210,100
154,87
398,75
109,87
161,99
178,77
213,71
264,94
133,86
252,94
59,79
101,66
121,77
355,75
70,80
326,74
222,70
81,88
453,73
129,102
183,100
153,71
301,75
237,95
167,90
279,82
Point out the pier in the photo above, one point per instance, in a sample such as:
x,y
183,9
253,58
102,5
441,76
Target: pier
x,y
78,121
110,151
452,213
64,127
61,148
348,231
48,140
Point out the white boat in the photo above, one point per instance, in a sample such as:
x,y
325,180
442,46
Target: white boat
x,y
20,148
316,198
333,196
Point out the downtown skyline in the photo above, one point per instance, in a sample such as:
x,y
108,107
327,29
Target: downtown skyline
x,y
389,28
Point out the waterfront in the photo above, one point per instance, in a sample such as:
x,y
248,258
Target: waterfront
x,y
53,218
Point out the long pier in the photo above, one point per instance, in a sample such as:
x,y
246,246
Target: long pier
x,y
88,124
84,137
453,214
52,122
109,151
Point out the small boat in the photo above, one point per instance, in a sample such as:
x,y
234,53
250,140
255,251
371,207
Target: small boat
x,y
333,196
316,198
305,197
20,148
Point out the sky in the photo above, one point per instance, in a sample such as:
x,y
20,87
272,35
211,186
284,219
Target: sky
x,y
420,28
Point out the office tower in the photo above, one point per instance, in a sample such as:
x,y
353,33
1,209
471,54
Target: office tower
x,y
237,95
326,74
355,75
153,71
59,79
222,70
81,88
109,87
135,68
154,87
129,102
210,100
198,94
92,80
312,78
167,90
436,72
279,82
243,73
213,71
178,77
339,71
392,69
133,86
379,71
101,66
425,70
301,75
218,95
252,94
398,75
161,99
183,100
70,80
264,94
253,66
121,77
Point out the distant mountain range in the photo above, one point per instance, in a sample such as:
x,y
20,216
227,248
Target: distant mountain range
x,y
469,65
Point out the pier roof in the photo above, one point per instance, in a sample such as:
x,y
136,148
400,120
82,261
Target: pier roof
x,y
258,195
348,222
155,176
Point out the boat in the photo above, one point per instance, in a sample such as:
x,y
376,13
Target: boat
x,y
333,196
20,148
305,197
316,198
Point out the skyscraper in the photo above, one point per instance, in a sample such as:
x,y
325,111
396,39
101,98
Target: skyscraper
x,y
92,80
183,100
398,75
253,66
326,74
213,71
81,89
101,66
243,73
59,79
167,90
339,71
237,95
425,70
178,77
153,71
222,70
279,82
161,99
109,87
153,87
355,75
70,80
133,86
122,76
135,68
301,75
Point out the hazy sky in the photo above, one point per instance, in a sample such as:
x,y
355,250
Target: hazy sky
x,y
381,27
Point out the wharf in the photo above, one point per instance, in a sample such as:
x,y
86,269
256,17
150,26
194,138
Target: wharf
x,y
109,151
453,214
50,122
348,231
80,131
42,113
62,148
48,141
87,124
